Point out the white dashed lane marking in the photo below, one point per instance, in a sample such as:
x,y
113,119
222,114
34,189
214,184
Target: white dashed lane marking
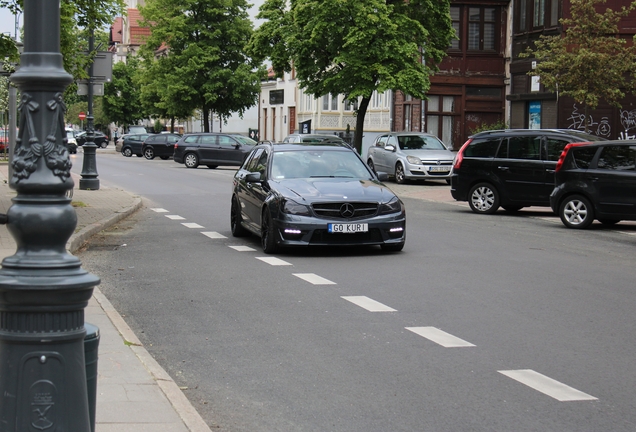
x,y
273,261
314,279
191,225
159,210
213,235
548,386
243,248
440,337
368,304
175,217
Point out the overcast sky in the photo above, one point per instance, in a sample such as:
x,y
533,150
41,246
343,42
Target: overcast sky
x,y
7,20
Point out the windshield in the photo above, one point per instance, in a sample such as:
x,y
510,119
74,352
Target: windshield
x,y
244,140
315,163
420,142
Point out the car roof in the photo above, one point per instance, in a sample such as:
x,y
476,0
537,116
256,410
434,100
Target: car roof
x,y
332,145
571,132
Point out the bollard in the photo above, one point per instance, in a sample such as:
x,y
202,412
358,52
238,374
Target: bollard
x,y
91,344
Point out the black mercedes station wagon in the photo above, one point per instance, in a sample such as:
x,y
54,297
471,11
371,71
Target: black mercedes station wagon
x,y
314,194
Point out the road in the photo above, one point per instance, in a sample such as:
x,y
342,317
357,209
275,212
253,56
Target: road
x,y
486,323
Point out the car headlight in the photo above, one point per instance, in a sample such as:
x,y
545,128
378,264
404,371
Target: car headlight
x,y
414,160
294,208
393,206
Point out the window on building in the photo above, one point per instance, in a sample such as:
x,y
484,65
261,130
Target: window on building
x,y
481,28
351,105
522,9
330,102
407,117
455,18
440,116
539,13
554,13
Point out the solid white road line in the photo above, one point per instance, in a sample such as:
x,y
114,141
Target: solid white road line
x,y
213,234
175,217
243,248
159,210
274,261
368,304
191,225
314,279
440,337
548,386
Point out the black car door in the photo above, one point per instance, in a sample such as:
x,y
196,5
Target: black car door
x,y
244,190
229,152
614,180
208,149
521,171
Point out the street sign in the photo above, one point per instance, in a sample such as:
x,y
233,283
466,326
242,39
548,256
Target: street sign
x,y
82,116
82,89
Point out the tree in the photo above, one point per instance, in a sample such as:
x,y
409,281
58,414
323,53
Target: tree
x,y
588,61
153,80
121,101
354,47
209,70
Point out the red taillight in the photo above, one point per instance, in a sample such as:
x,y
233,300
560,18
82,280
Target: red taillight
x,y
564,153
460,155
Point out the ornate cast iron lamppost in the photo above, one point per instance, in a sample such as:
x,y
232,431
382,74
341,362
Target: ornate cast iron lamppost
x,y
89,180
43,289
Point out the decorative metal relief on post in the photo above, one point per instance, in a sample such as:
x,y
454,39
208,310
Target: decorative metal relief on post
x,y
26,155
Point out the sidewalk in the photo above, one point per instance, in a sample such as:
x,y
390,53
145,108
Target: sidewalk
x,y
134,394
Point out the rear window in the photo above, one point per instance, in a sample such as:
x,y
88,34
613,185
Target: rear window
x,y
583,156
620,158
521,147
482,148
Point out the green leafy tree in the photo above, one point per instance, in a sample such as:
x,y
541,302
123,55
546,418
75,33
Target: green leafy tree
x,y
153,80
354,47
101,120
589,61
121,101
209,70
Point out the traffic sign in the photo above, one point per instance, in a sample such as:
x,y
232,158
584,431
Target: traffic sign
x,y
82,115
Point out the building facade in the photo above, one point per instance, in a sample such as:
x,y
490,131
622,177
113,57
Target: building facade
x,y
531,106
469,90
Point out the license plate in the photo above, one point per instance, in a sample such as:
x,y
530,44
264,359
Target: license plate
x,y
439,169
348,228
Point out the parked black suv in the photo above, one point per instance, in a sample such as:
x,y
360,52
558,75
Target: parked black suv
x,y
161,145
596,181
510,168
212,149
131,144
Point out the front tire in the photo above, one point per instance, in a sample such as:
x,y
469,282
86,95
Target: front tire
x,y
268,233
191,160
400,176
235,220
127,152
483,198
371,166
149,153
576,212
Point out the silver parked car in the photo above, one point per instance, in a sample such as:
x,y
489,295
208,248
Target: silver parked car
x,y
411,156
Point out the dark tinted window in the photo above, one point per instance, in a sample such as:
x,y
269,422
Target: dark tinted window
x,y
524,147
583,156
620,158
252,162
208,139
554,148
191,139
173,138
485,148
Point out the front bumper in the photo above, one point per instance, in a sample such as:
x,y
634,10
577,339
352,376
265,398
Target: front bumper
x,y
311,231
415,172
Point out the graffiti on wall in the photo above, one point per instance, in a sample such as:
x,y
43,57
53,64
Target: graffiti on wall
x,y
577,121
602,127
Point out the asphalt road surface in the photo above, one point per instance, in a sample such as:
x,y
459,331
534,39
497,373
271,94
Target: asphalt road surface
x,y
482,323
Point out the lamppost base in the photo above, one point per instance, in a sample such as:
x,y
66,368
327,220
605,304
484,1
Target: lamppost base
x,y
89,184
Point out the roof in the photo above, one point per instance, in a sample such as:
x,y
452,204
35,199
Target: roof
x,y
117,29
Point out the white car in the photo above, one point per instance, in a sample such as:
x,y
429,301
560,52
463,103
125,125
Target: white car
x,y
411,156
71,142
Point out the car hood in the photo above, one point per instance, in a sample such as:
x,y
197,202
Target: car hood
x,y
334,189
430,154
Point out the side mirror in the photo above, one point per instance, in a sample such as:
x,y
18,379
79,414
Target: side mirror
x,y
382,176
254,177
389,147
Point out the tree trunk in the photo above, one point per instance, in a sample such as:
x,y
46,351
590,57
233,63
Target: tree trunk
x,y
206,120
172,124
362,111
